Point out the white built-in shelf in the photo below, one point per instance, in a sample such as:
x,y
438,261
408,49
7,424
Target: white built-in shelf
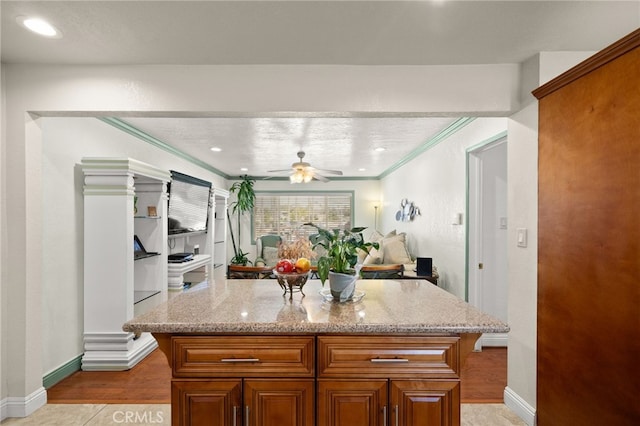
x,y
147,256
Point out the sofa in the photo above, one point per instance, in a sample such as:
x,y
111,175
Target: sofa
x,y
390,260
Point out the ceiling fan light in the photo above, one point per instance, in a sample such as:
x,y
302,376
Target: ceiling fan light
x,y
307,177
297,177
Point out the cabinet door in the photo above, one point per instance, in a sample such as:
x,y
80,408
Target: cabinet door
x,y
211,402
425,403
352,402
270,402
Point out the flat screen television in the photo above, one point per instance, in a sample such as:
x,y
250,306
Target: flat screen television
x,y
188,204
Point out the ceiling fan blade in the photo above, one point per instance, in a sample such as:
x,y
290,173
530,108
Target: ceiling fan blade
x,y
320,177
331,172
279,171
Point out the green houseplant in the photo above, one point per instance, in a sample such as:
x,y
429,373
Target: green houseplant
x,y
341,257
245,200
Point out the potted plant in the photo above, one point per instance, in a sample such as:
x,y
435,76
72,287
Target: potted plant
x,y
339,262
245,200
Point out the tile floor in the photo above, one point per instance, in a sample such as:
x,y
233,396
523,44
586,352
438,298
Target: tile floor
x,y
160,414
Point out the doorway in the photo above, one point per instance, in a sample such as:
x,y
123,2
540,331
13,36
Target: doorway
x,y
487,233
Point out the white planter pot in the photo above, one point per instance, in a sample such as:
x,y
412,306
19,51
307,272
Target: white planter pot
x,y
342,286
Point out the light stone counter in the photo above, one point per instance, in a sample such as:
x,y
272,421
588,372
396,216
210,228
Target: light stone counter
x,y
258,306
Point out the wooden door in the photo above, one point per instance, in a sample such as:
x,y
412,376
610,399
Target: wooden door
x,y
421,403
269,402
352,402
206,402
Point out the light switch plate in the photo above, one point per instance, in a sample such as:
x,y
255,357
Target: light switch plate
x,y
521,237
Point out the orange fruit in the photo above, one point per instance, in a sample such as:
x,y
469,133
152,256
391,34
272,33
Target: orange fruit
x,y
303,265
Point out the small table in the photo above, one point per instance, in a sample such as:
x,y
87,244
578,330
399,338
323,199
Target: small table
x,y
249,272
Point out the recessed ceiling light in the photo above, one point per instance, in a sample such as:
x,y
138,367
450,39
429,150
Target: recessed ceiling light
x,y
361,169
216,149
244,169
380,149
39,26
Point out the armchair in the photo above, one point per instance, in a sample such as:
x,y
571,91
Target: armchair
x,y
267,249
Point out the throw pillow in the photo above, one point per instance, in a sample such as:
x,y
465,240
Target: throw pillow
x,y
374,257
395,250
270,255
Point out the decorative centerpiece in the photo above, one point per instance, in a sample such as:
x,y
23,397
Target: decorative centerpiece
x,y
339,264
292,270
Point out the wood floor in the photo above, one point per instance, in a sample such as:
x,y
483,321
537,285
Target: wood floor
x,y
484,377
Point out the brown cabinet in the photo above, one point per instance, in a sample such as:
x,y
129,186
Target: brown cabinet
x,y
411,381
277,380
202,402
352,402
380,402
267,380
243,402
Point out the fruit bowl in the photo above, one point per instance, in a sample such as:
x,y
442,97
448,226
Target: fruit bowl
x,y
291,281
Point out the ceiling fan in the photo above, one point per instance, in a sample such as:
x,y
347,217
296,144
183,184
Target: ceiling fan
x,y
302,171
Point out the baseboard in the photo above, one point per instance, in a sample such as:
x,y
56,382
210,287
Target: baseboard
x,y
493,340
22,406
519,406
62,372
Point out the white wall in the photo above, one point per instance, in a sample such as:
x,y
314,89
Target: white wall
x,y
86,90
33,91
523,213
65,142
436,182
3,331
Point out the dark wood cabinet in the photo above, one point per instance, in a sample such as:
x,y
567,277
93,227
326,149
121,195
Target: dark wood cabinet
x,y
413,380
279,402
242,402
200,402
589,241
352,402
368,380
424,403
380,402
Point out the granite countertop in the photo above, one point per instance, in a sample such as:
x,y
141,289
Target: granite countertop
x,y
258,306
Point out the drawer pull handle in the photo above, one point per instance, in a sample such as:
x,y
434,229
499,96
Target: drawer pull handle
x,y
240,360
246,417
395,408
389,360
235,415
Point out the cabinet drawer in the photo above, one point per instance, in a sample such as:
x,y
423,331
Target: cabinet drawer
x,y
243,356
388,356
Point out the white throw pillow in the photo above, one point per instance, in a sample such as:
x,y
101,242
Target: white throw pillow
x,y
374,257
394,250
270,255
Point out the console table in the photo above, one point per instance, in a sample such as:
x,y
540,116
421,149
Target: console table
x,y
249,272
176,271
411,273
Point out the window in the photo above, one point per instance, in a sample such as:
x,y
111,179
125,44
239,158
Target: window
x,y
284,213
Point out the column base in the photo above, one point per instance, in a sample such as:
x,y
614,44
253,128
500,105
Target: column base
x,y
115,351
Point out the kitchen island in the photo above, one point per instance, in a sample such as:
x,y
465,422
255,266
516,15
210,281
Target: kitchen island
x,y
241,353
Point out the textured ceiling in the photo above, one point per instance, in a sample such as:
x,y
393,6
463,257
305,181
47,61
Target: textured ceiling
x,y
345,144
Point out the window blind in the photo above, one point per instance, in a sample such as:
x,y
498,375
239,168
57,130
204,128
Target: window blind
x,y
284,213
